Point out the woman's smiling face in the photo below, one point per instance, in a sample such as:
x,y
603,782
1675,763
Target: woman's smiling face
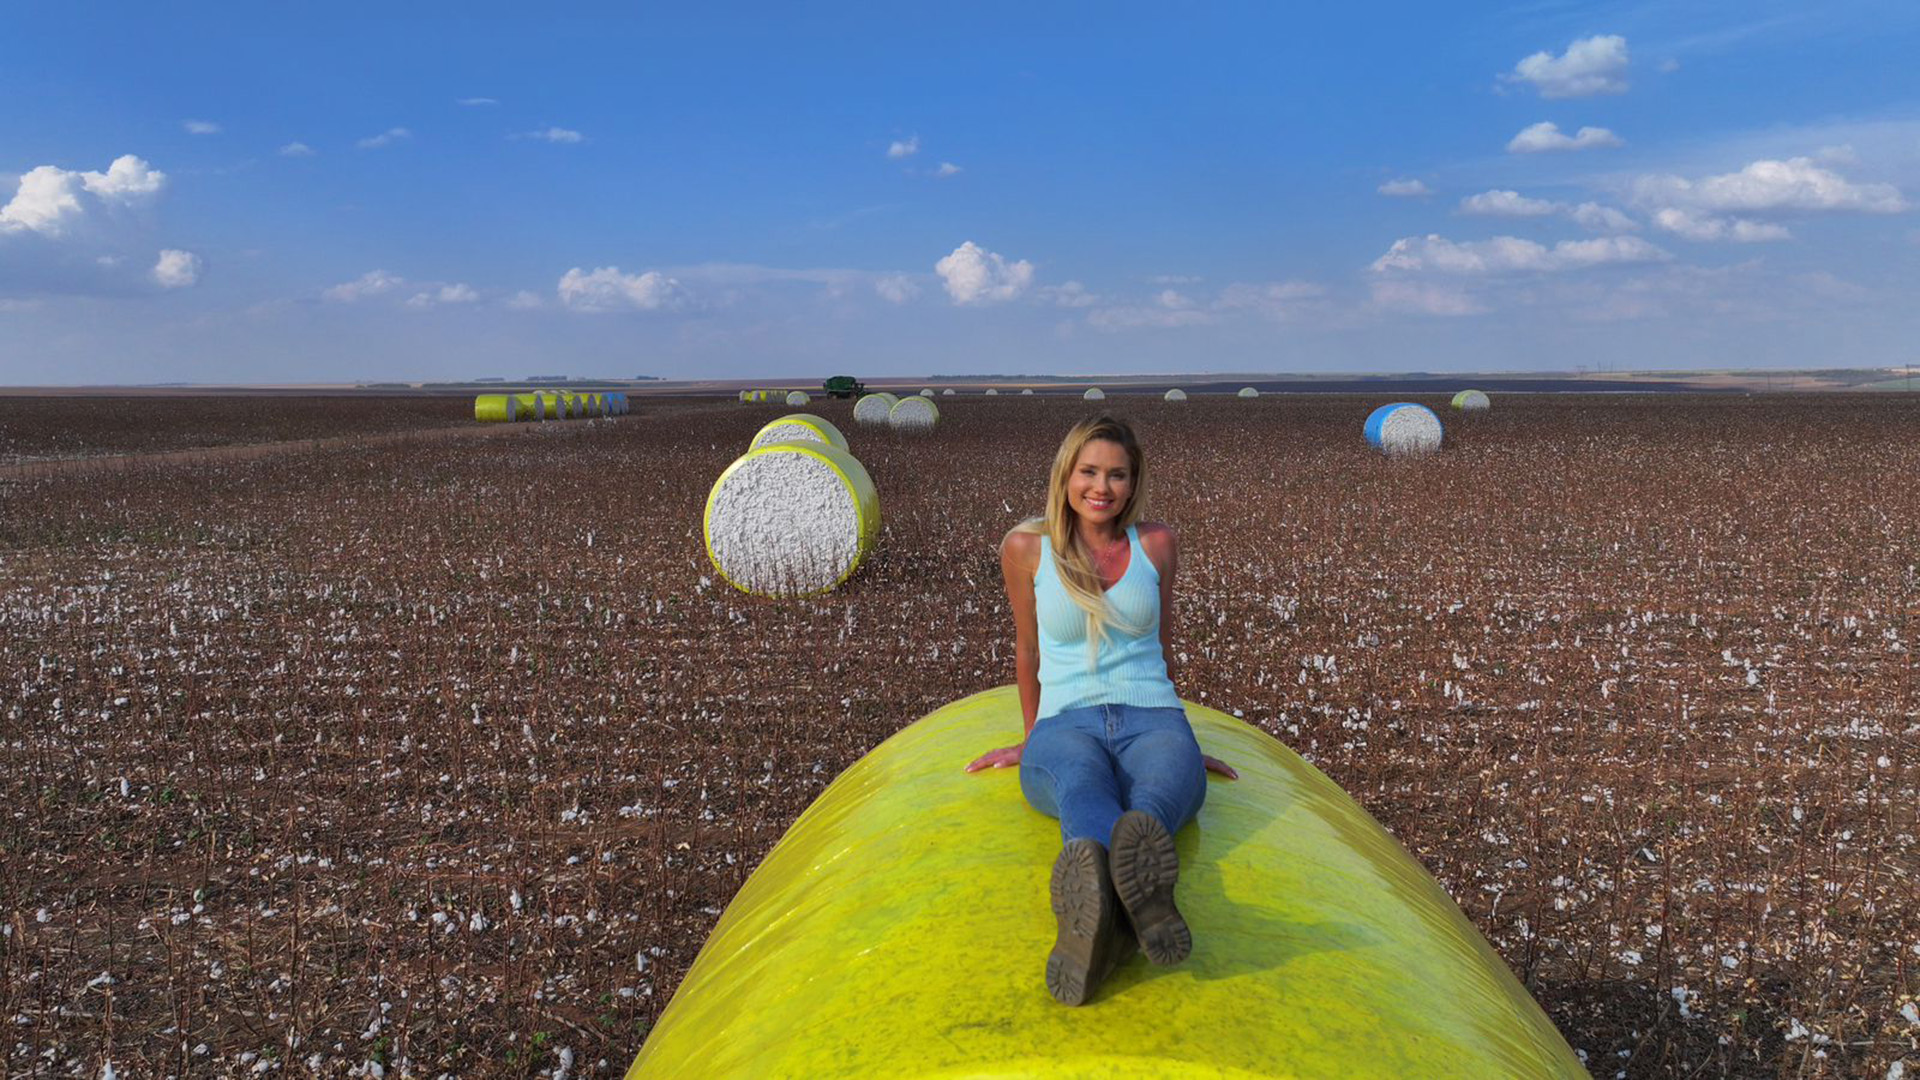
x,y
1101,484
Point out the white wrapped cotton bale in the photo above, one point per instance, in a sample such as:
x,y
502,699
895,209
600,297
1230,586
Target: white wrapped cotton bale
x,y
1471,401
1176,394
1095,394
926,393
991,392
798,397
799,427
1249,392
914,414
948,392
1028,392
1404,428
791,519
873,408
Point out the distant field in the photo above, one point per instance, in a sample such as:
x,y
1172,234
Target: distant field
x,y
447,756
54,428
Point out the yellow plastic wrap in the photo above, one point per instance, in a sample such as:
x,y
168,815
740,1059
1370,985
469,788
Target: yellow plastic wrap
x,y
496,408
901,928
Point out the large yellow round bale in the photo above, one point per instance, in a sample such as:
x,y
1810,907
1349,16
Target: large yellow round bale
x,y
873,408
496,408
901,928
914,414
791,519
743,395
800,427
529,406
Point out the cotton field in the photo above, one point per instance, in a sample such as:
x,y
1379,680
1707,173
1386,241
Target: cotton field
x,y
443,757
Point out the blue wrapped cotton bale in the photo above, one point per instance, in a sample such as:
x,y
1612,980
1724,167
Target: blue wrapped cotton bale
x,y
1403,428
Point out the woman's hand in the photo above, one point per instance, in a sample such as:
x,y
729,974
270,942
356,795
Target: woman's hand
x,y
1213,764
997,759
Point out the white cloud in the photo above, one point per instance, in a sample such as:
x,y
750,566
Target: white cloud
x,y
176,269
385,138
607,289
1277,300
1167,311
1070,294
1509,254
946,169
1424,298
49,199
475,101
1599,218
552,135
200,127
1706,228
456,293
975,275
1404,188
1500,203
525,300
903,148
1590,66
371,283
1794,184
1546,136
896,288
297,149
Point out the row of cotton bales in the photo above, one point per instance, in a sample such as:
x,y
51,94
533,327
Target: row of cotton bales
x,y
547,405
915,412
796,514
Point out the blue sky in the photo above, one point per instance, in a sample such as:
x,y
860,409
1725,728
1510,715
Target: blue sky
x,y
303,193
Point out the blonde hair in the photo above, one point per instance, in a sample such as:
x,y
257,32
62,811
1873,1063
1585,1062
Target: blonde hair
x,y
1060,525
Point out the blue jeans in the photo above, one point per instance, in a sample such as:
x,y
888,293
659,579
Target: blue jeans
x,y
1088,766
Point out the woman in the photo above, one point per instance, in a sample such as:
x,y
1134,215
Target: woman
x,y
1108,749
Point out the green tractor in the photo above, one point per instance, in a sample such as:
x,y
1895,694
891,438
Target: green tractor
x,y
844,386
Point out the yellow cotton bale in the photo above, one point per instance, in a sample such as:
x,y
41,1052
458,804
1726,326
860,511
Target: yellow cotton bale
x,y
496,408
798,427
900,928
791,519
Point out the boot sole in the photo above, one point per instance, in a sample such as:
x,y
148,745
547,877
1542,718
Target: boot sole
x,y
1083,910
1145,868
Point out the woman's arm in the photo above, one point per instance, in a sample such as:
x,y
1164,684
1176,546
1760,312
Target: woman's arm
x,y
1019,558
1163,547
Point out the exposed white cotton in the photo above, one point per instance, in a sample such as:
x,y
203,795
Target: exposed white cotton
x,y
783,524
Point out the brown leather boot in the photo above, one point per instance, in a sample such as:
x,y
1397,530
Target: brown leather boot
x,y
1093,938
1145,867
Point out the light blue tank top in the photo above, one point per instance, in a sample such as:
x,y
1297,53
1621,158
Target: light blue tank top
x,y
1130,669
